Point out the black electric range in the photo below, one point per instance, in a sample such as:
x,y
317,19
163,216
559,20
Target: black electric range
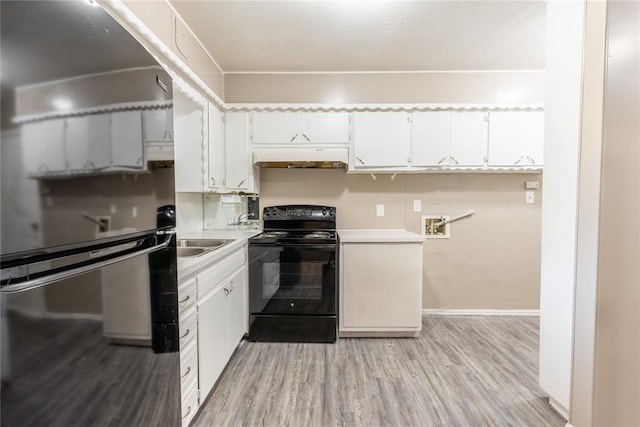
x,y
293,275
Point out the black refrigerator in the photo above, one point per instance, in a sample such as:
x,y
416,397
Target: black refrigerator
x,y
88,292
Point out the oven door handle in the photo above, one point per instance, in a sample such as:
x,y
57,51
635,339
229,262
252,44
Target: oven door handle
x,y
66,274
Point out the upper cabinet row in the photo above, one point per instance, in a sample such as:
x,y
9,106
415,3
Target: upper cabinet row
x,y
300,128
447,138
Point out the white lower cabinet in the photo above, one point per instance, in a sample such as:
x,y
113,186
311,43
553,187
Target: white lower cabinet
x,y
381,283
213,320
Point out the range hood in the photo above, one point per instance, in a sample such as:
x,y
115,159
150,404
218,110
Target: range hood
x,y
301,157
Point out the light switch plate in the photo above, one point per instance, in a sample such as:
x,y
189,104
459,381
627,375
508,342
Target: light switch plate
x,y
417,206
380,210
530,197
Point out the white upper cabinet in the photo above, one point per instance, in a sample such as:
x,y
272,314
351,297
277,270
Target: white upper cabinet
x,y
43,147
516,138
126,139
468,139
87,142
237,153
430,138
276,128
300,128
215,180
158,125
191,136
324,128
381,139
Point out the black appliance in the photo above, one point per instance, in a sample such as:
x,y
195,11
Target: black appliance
x,y
293,275
87,261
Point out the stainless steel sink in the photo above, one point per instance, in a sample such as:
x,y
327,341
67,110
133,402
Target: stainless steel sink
x,y
203,243
192,252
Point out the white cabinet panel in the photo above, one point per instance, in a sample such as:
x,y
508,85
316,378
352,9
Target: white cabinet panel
x,y
43,146
158,125
215,180
126,139
87,142
237,154
213,338
516,138
276,128
324,128
468,146
237,308
191,135
381,139
430,138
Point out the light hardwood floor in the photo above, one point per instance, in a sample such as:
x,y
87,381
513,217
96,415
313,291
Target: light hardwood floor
x,y
461,371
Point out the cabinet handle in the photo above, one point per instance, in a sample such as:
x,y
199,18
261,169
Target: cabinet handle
x,y
228,290
531,160
185,300
187,414
360,160
139,160
442,159
454,159
306,137
185,334
187,373
294,137
241,182
519,160
213,181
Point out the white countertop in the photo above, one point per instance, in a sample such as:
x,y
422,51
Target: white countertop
x,y
379,235
187,266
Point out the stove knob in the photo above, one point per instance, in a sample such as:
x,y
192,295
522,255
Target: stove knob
x,y
293,304
324,212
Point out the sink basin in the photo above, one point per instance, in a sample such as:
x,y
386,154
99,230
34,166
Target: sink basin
x,y
192,252
203,243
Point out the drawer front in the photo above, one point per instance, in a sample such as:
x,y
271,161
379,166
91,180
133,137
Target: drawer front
x,y
186,297
188,367
209,279
188,329
189,405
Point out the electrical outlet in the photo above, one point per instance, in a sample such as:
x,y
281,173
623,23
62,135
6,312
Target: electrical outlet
x,y
432,229
380,210
104,224
417,205
529,197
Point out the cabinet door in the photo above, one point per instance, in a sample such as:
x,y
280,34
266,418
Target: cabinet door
x,y
191,133
237,154
43,146
157,125
381,139
516,138
237,308
216,149
213,338
87,142
126,139
381,285
430,138
276,128
468,146
324,128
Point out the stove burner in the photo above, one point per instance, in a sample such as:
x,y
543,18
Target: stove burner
x,y
318,235
273,234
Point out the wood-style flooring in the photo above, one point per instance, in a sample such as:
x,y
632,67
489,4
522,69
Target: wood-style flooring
x,y
461,371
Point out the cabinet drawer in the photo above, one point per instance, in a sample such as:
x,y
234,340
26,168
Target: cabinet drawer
x,y
188,367
209,279
188,329
189,405
186,296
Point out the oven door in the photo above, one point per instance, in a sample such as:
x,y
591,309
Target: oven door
x,y
292,279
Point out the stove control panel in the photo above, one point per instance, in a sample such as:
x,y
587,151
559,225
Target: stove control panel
x,y
299,212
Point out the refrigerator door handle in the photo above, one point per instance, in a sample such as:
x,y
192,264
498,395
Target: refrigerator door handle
x,y
66,274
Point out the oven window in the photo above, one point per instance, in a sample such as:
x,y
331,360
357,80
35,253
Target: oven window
x,y
292,280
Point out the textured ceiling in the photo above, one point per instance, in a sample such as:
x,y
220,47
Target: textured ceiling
x,y
293,36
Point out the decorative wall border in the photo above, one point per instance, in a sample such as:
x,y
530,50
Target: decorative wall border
x,y
125,106
409,108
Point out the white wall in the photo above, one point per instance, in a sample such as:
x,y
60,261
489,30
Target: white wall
x,y
565,34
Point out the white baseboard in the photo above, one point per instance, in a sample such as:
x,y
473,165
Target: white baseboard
x,y
559,408
478,312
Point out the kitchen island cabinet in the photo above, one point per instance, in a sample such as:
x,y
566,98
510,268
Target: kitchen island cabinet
x,y
380,283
